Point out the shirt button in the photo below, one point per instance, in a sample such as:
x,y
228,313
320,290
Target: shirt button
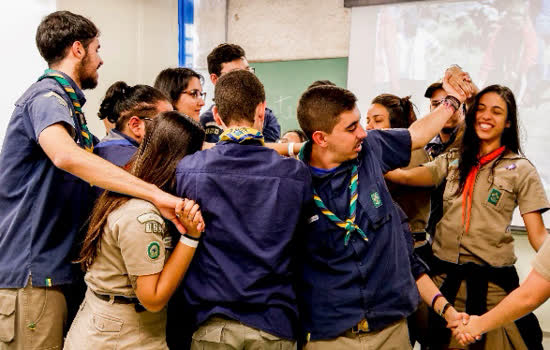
x,y
360,263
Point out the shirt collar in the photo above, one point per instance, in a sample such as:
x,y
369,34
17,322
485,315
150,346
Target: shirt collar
x,y
121,134
79,93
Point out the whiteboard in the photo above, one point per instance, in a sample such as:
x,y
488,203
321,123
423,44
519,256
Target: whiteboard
x,y
403,48
20,61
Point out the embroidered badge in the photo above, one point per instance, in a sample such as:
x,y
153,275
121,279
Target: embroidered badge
x,y
454,162
153,250
153,222
494,196
376,200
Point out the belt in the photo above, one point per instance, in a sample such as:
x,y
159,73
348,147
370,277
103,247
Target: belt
x,y
119,299
361,327
419,236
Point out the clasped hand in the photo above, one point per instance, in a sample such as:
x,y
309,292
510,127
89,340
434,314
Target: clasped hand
x,y
465,328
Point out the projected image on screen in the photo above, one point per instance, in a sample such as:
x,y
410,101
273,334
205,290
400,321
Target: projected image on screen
x,y
403,48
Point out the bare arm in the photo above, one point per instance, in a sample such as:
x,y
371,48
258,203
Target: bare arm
x,y
456,83
154,291
66,155
536,232
428,290
282,148
534,291
419,176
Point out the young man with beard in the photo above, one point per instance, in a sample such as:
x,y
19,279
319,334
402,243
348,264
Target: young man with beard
x,y
358,272
47,168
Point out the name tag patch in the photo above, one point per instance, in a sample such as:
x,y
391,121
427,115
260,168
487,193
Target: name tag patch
x,y
494,196
376,200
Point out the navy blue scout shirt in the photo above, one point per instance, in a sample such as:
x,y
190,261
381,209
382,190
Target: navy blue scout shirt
x,y
117,148
41,207
271,130
251,200
340,285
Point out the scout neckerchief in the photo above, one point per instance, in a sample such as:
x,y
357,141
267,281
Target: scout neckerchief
x,y
468,191
349,224
83,134
242,135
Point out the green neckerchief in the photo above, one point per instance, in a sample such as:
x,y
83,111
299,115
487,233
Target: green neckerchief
x,y
349,224
242,135
84,136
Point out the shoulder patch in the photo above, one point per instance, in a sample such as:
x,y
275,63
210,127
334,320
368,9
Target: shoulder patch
x,y
153,250
60,99
153,222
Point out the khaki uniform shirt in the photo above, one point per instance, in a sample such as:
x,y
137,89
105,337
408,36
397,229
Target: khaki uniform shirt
x,y
415,201
541,264
132,244
513,182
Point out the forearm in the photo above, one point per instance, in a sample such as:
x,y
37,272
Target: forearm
x,y
161,287
419,176
521,301
426,128
282,148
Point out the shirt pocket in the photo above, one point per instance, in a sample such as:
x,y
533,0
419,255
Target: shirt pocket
x,y
7,315
377,203
500,195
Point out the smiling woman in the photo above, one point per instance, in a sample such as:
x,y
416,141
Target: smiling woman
x,y
487,178
183,86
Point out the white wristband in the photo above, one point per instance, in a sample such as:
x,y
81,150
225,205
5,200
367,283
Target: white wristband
x,y
291,149
189,242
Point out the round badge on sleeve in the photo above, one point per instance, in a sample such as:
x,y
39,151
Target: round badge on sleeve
x,y
153,250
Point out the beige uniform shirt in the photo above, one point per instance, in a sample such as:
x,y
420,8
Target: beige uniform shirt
x,y
541,264
415,201
132,245
514,182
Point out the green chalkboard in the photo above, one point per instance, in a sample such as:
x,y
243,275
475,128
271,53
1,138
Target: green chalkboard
x,y
285,81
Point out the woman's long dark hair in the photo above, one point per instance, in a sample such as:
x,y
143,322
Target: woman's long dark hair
x,y
401,110
170,137
470,147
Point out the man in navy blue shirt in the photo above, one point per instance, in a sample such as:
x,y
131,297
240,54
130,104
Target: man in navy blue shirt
x,y
240,282
359,275
47,168
226,58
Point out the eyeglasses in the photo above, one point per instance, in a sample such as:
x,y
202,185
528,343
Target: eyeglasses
x,y
251,70
145,118
195,94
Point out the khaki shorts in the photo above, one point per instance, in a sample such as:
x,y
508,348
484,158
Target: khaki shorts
x,y
32,318
218,333
104,325
393,337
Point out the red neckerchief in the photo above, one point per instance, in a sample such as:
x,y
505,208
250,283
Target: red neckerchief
x,y
468,192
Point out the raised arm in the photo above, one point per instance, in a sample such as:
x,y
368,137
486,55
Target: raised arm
x,y
66,155
457,84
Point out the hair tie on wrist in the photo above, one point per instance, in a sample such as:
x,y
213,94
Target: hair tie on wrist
x,y
437,296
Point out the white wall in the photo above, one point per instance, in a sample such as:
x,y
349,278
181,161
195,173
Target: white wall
x,y
21,63
138,39
289,29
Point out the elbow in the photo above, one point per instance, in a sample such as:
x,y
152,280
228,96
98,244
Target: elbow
x,y
64,161
154,307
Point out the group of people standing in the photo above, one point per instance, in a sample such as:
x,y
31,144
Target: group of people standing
x,y
250,249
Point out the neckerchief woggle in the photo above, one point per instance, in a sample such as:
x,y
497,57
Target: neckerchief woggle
x,y
83,133
242,135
